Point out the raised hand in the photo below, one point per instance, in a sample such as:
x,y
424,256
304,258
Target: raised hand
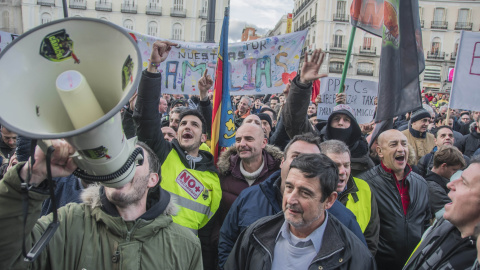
x,y
204,84
160,51
311,67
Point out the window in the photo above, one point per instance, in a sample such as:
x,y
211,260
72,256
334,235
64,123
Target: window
x,y
432,73
204,6
335,67
341,4
463,15
5,20
128,24
455,47
46,17
420,12
313,37
367,43
152,28
365,68
338,39
203,33
436,45
153,3
177,31
439,15
178,4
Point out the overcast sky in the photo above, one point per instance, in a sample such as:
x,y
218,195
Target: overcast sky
x,y
263,14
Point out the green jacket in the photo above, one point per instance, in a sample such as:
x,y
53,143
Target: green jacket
x,y
88,237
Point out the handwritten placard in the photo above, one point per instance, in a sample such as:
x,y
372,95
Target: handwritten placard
x,y
360,97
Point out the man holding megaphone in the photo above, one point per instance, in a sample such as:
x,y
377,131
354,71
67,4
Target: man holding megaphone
x,y
115,228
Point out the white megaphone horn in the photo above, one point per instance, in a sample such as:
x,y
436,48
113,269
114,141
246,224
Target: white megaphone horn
x,y
69,79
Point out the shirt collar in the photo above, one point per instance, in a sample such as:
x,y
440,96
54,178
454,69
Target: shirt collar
x,y
316,237
407,171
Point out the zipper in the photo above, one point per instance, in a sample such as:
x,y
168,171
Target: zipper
x,y
264,247
129,232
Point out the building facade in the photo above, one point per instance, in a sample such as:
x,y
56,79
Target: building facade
x,y
182,20
330,29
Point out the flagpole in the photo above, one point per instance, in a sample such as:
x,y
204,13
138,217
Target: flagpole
x,y
347,59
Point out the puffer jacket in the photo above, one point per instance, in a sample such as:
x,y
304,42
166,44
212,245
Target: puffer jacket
x,y
231,179
340,248
399,234
92,235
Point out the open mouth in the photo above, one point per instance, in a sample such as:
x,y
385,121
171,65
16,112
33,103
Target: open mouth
x,y
400,158
187,136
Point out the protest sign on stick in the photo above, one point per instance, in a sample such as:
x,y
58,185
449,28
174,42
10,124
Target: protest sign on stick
x,y
466,78
361,95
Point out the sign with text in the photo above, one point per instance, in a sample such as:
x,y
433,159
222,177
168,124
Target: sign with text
x,y
360,97
466,77
259,66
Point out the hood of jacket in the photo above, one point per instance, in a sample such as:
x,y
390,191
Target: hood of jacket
x,y
356,131
229,158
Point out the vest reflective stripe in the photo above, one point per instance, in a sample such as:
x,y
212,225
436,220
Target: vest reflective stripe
x,y
197,193
197,207
362,209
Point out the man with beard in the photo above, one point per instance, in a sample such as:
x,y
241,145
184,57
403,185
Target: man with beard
x,y
243,110
422,141
402,200
115,228
188,173
450,242
303,235
354,193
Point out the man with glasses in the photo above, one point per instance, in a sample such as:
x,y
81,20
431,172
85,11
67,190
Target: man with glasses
x,y
417,135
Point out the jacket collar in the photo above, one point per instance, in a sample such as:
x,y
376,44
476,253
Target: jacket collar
x,y
229,162
388,171
206,164
416,133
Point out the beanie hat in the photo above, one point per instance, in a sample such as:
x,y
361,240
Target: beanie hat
x,y
266,117
465,112
419,115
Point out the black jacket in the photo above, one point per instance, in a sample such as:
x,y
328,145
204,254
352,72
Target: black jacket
x,y
294,112
469,143
425,164
443,248
341,249
437,191
399,234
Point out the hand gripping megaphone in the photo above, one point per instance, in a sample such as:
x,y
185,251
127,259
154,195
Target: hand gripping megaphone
x,y
69,79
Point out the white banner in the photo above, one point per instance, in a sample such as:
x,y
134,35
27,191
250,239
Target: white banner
x,y
259,66
466,78
360,97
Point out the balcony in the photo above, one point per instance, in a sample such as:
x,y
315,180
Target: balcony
x,y
338,47
178,12
364,72
202,13
129,8
438,55
153,10
422,23
439,25
47,3
367,51
453,56
306,24
103,6
340,17
78,4
463,26
301,7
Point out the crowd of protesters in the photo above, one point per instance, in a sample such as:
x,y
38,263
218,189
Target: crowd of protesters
x,y
292,192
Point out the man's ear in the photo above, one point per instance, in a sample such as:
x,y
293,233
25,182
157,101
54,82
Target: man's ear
x,y
153,180
331,200
379,151
203,138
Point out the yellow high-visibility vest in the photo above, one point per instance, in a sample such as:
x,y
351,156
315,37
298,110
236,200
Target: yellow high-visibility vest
x,y
362,208
197,193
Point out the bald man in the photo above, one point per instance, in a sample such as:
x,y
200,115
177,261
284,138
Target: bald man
x,y
402,199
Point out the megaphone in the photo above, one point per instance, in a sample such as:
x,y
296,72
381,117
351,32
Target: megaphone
x,y
69,79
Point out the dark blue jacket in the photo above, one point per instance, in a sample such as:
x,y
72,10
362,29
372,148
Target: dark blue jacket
x,y
264,200
67,190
